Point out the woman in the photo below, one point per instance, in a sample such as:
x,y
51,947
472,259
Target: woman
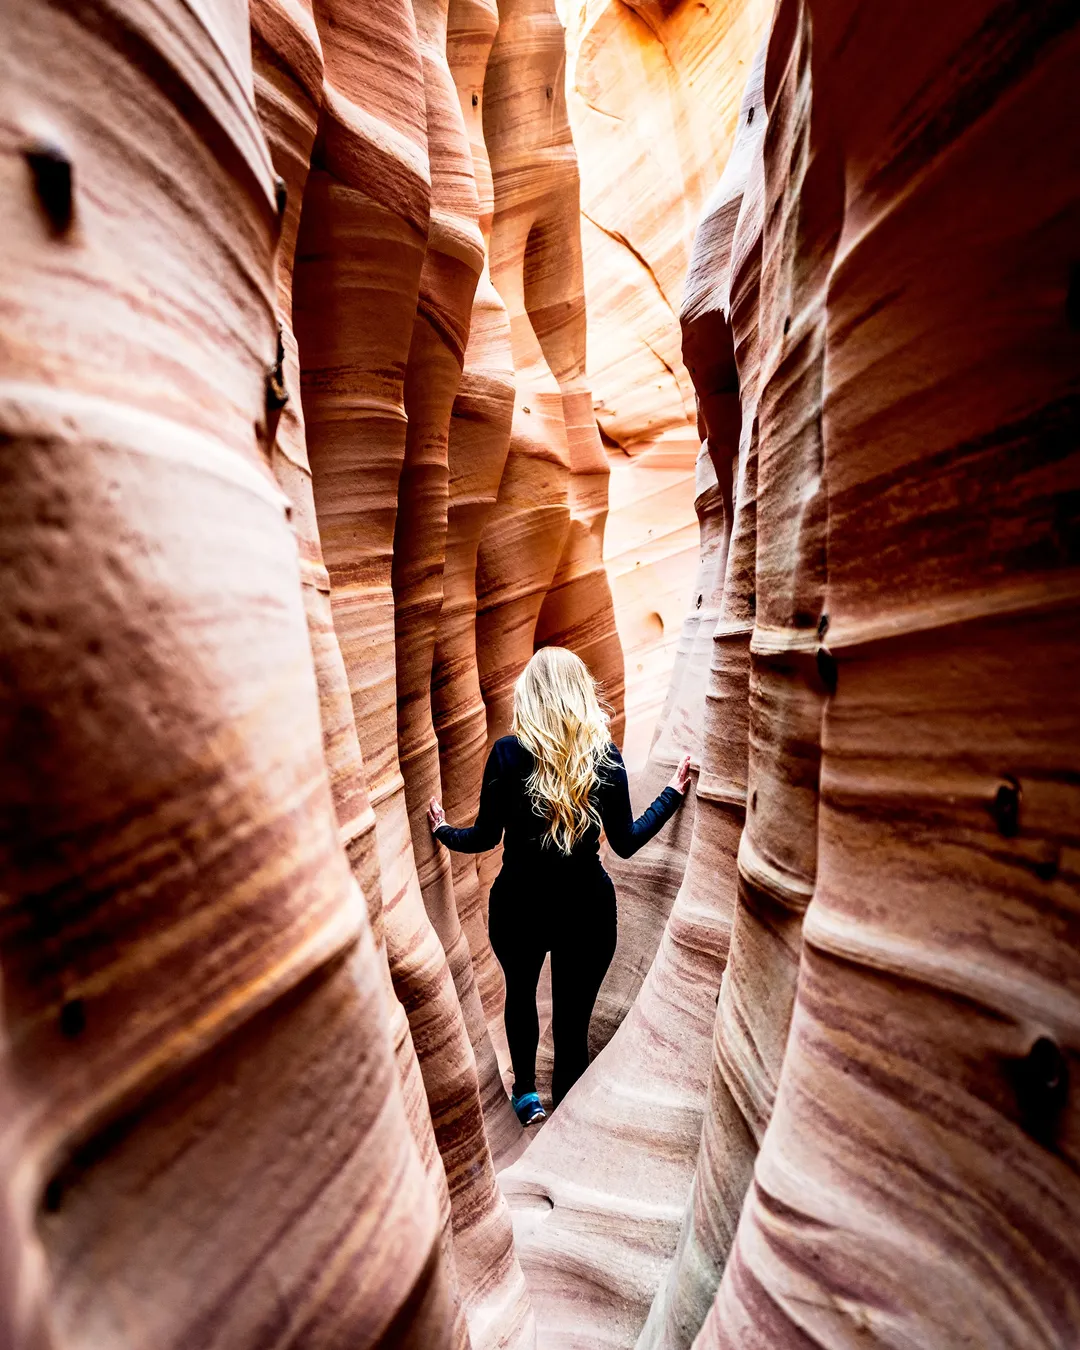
x,y
549,788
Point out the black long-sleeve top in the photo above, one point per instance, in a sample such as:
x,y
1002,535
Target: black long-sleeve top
x,y
506,809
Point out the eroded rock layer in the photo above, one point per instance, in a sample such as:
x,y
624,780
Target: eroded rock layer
x,y
776,558
448,280
540,574
263,594
627,1142
902,777
720,345
478,442
387,266
203,1135
653,92
641,205
287,60
929,261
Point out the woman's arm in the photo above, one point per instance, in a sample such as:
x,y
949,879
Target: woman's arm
x,y
625,834
488,828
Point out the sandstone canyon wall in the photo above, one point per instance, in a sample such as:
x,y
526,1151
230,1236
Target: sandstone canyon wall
x,y
540,575
478,443
925,288
381,223
300,461
195,1032
653,92
288,69
895,1022
626,1140
654,95
721,343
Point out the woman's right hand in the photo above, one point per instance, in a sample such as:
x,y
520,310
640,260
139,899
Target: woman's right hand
x,y
680,780
435,815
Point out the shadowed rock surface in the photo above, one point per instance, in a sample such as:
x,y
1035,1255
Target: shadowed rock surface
x,y
287,59
627,1142
373,226
913,1183
263,594
479,439
195,1035
720,343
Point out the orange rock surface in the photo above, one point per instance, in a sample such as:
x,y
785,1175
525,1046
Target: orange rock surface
x,y
448,280
287,59
362,253
917,1178
263,594
203,1136
540,576
648,883
479,439
886,681
720,316
653,92
627,1142
452,266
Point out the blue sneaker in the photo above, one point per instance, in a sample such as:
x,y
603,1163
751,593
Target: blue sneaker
x,y
528,1108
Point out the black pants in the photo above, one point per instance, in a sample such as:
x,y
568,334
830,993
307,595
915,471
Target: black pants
x,y
573,918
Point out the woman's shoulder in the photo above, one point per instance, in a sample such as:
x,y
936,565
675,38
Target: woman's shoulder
x,y
509,750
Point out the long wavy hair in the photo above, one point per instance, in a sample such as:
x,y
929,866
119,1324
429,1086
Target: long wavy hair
x,y
560,718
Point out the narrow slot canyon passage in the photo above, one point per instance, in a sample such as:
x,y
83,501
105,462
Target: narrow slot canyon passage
x,y
356,351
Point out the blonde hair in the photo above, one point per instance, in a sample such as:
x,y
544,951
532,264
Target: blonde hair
x,y
560,719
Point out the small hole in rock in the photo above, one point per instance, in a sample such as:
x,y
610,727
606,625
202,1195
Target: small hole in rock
x,y
52,174
749,116
1042,1088
1006,808
476,100
73,1018
826,666
1047,869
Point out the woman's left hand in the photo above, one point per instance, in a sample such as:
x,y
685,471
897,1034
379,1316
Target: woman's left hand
x,y
435,815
